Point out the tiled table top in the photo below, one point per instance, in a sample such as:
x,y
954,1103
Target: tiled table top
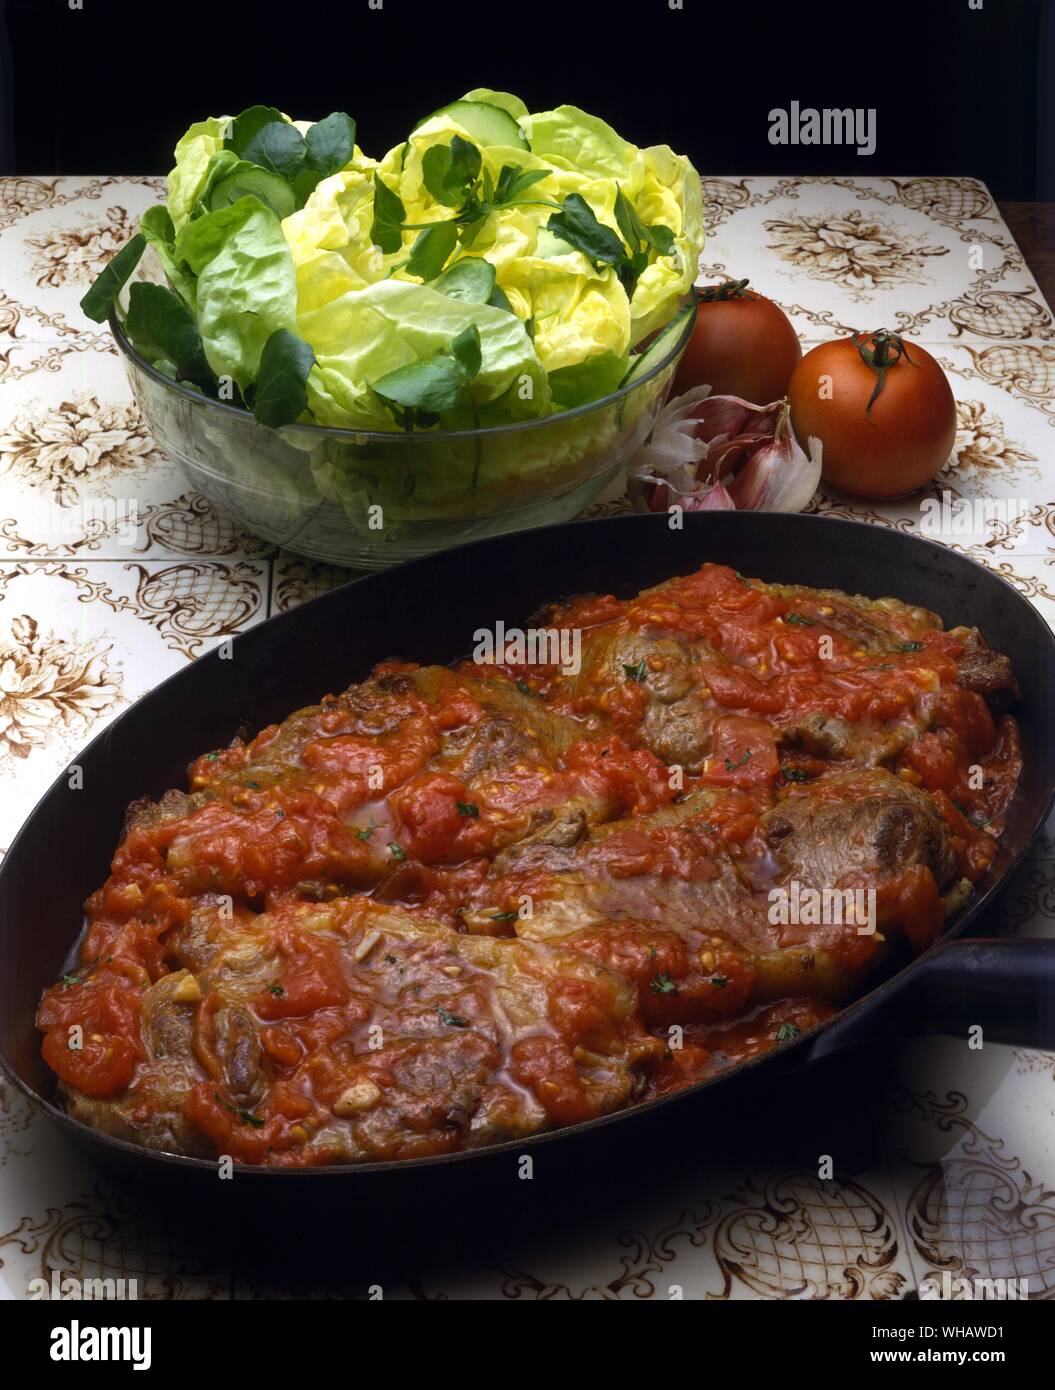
x,y
113,574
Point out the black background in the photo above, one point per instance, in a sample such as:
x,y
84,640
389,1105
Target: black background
x,y
109,88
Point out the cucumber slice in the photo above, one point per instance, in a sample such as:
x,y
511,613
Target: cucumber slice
x,y
660,345
487,124
506,100
273,192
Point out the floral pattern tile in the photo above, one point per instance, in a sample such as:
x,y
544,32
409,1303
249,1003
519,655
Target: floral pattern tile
x,y
81,641
80,474
55,236
930,257
296,579
114,573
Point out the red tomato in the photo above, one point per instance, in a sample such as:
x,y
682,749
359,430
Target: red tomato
x,y
101,1066
892,447
743,345
439,821
547,1066
314,981
745,753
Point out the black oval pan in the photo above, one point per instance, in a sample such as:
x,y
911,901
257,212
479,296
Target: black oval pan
x,y
427,611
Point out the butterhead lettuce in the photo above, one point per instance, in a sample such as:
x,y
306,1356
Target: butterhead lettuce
x,y
577,246
193,153
365,334
246,285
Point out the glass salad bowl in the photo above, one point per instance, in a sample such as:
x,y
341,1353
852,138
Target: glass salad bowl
x,y
369,499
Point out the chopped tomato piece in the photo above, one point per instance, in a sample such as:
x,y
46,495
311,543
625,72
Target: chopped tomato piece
x,y
101,1066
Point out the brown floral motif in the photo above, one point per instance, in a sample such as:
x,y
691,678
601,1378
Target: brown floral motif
x,y
76,255
301,580
851,249
23,195
1001,314
52,356
111,1234
187,525
613,506
82,438
825,504
187,604
10,316
48,681
193,602
16,1116
978,1213
1037,1063
804,1238
1004,534
721,198
982,447
20,196
646,1259
1024,367
1030,586
191,525
12,313
948,200
1028,902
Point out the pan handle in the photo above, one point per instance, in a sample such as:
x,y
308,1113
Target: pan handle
x,y
1004,984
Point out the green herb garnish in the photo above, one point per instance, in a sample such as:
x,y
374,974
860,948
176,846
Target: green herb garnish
x,y
246,1116
99,300
577,224
77,977
451,1020
416,395
663,984
636,673
280,395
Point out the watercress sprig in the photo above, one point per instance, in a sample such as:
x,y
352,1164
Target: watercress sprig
x,y
456,177
578,225
418,394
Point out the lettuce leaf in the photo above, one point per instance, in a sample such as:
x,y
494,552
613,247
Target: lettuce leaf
x,y
246,284
581,143
193,153
671,195
366,334
506,100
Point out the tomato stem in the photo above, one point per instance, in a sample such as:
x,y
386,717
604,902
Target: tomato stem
x,y
728,289
886,351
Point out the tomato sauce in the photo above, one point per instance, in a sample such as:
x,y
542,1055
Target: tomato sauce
x,y
448,795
